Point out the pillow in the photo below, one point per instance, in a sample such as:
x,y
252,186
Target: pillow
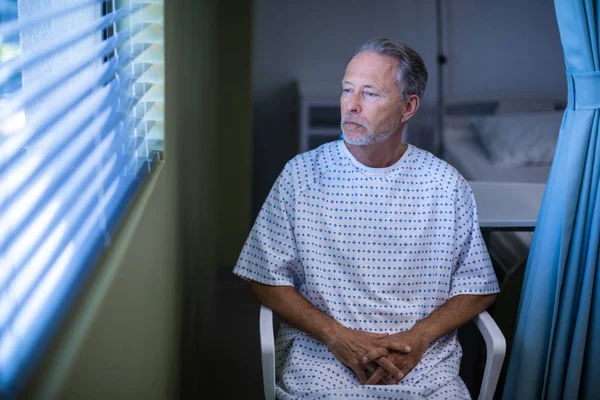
x,y
517,140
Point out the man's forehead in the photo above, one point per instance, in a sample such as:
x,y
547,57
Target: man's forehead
x,y
370,66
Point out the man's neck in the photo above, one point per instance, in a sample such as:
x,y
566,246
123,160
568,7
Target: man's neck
x,y
379,155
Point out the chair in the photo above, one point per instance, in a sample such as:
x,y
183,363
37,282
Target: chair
x,y
494,342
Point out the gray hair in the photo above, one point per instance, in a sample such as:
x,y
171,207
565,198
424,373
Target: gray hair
x,y
411,73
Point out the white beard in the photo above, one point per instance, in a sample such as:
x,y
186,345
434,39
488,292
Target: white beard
x,y
369,137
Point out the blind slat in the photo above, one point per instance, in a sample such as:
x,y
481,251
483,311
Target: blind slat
x,y
82,237
157,131
156,113
56,236
155,74
11,148
155,93
26,207
147,13
123,3
16,65
152,34
12,28
42,88
153,54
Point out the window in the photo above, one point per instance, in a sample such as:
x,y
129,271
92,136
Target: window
x,y
10,48
81,125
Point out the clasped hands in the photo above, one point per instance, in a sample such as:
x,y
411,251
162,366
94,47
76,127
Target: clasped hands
x,y
378,358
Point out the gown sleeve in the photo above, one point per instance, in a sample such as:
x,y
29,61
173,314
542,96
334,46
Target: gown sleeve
x,y
270,254
472,272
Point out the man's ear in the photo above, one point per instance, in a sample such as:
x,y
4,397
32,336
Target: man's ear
x,y
411,106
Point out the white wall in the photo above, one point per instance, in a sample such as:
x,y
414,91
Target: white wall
x,y
495,45
313,40
508,45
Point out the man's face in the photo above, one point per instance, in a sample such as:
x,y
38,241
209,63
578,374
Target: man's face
x,y
371,104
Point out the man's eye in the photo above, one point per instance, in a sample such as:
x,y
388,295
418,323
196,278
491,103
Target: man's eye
x,y
346,90
370,94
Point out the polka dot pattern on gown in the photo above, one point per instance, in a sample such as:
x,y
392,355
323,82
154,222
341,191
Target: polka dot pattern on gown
x,y
378,249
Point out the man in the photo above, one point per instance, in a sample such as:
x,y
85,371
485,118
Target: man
x,y
370,250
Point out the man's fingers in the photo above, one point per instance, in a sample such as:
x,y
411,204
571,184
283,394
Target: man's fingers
x,y
360,373
371,367
396,379
376,377
391,369
394,345
404,367
375,354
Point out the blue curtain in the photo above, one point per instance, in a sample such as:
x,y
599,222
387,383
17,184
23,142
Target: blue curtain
x,y
556,347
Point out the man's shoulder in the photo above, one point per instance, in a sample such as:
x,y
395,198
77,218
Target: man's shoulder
x,y
440,171
306,168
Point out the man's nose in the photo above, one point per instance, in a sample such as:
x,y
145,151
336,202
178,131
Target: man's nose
x,y
353,104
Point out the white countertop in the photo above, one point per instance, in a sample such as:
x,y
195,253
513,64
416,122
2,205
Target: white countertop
x,y
507,205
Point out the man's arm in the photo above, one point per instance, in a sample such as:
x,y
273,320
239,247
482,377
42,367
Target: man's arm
x,y
450,316
348,345
296,310
454,313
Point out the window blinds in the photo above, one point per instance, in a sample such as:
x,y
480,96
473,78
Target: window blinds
x,y
81,120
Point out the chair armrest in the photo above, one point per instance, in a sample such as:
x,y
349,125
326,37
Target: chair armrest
x,y
494,341
496,349
267,349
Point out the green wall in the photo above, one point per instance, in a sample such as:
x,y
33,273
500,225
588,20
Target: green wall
x,y
234,127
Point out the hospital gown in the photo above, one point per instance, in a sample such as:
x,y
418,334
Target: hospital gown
x,y
378,249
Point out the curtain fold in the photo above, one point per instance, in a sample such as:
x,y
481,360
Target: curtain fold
x,y
557,339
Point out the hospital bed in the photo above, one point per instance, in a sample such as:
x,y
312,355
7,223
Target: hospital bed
x,y
503,144
509,115
503,137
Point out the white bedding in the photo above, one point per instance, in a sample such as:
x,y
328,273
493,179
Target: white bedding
x,y
462,149
463,152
